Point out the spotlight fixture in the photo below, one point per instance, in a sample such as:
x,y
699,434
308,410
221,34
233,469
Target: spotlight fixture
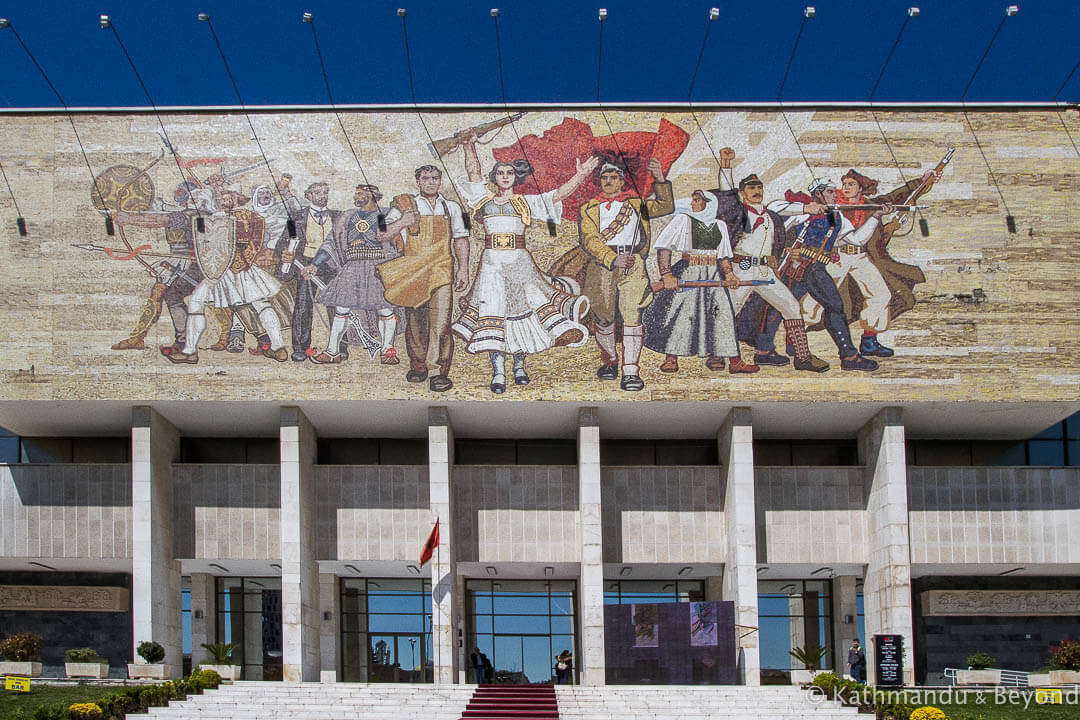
x,y
21,224
401,12
603,14
222,568
626,571
327,616
200,224
204,17
110,229
494,12
1012,11
41,565
354,569
413,569
685,571
4,22
276,566
810,11
824,571
714,13
549,571
306,17
106,23
490,570
197,614
913,12
763,569
924,227
1010,224
290,226
1010,572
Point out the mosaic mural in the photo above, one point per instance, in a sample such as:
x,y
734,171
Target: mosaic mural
x,y
583,255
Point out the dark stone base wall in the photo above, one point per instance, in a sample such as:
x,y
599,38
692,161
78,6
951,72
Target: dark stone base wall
x,y
109,633
1018,643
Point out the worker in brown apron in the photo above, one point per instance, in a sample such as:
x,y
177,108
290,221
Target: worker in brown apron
x,y
434,263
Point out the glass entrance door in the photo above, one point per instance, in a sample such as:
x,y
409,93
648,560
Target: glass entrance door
x,y
521,625
397,658
386,630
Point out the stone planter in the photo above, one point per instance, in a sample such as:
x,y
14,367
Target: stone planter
x,y
1065,677
144,671
87,670
228,673
978,677
801,677
22,669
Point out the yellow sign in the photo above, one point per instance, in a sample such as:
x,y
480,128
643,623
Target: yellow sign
x,y
16,683
1047,696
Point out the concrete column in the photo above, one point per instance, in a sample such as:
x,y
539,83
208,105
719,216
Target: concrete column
x,y
845,605
155,581
300,607
591,665
330,619
204,602
445,610
736,451
887,586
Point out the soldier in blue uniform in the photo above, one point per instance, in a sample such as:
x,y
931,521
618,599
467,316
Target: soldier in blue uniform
x,y
804,271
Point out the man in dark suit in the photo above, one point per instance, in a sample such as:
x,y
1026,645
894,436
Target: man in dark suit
x,y
313,226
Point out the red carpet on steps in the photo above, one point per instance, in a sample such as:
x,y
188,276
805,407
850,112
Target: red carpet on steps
x,y
522,702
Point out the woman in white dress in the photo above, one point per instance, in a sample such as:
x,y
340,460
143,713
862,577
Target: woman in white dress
x,y
514,307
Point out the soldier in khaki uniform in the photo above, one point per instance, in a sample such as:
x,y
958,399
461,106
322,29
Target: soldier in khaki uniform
x,y
435,254
615,233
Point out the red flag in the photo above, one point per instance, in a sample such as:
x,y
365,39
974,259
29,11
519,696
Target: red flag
x,y
430,544
553,155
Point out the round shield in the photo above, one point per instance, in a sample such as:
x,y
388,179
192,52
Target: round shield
x,y
122,187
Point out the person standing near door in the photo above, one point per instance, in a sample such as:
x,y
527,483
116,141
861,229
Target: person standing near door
x,y
564,664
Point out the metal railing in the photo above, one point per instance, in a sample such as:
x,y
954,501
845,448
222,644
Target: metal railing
x,y
1009,678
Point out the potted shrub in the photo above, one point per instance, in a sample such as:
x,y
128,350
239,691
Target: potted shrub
x,y
20,652
220,660
979,672
1065,663
810,658
151,667
85,663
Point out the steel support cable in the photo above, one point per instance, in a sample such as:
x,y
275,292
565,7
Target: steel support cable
x,y
690,92
106,22
611,132
71,121
779,94
1010,221
308,18
924,227
1061,114
243,108
416,107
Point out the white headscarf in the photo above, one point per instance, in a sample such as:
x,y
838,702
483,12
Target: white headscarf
x,y
274,213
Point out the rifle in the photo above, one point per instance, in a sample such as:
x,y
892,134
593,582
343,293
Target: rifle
x,y
440,148
693,284
901,224
878,206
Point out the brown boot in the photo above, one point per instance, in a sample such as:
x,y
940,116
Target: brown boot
x,y
714,362
736,366
804,360
281,354
135,342
670,364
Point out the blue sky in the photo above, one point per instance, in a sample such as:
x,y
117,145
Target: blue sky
x,y
549,51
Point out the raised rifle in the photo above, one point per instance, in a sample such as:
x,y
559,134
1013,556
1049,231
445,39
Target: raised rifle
x,y
439,148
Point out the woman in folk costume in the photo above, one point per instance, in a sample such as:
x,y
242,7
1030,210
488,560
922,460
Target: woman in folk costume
x,y
513,307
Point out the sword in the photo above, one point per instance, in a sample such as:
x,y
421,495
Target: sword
x,y
370,344
314,279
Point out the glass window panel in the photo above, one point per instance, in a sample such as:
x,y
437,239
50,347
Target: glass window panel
x,y
537,659
1072,427
1074,453
562,624
9,450
775,642
611,598
507,656
482,604
1046,452
774,606
646,586
522,604
384,585
1055,431
395,603
998,453
562,586
562,604
524,624
482,623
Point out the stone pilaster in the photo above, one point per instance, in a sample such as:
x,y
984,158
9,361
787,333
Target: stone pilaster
x,y
845,605
444,601
736,451
155,581
204,603
887,586
591,581
329,622
300,607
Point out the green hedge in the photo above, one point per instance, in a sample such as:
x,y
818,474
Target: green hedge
x,y
138,699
